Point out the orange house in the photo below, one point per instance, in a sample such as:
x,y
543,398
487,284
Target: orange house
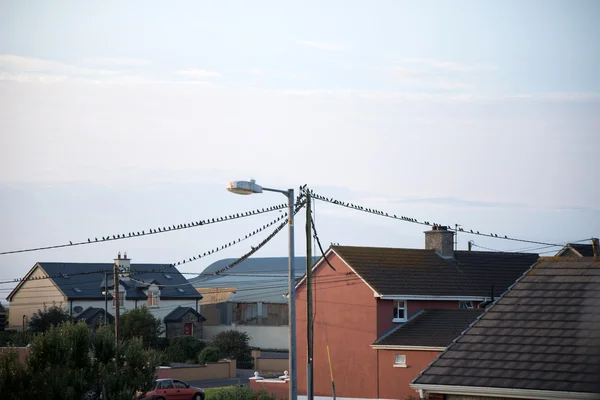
x,y
363,295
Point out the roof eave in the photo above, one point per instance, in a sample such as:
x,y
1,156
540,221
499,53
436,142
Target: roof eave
x,y
503,392
401,347
430,297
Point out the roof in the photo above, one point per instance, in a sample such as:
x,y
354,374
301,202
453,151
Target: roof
x,y
90,285
430,328
542,335
584,250
179,312
256,265
91,312
254,279
397,271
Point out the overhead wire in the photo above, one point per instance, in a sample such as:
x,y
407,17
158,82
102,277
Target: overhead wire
x,y
416,221
153,231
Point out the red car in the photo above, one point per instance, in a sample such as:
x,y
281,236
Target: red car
x,y
172,389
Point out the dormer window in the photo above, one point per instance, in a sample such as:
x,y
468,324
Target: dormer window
x,y
153,297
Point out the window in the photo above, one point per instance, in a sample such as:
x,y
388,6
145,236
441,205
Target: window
x,y
399,311
121,299
166,384
400,361
153,298
466,304
180,385
180,290
78,309
168,276
77,290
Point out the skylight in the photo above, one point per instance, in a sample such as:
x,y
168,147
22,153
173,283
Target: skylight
x,y
180,290
77,290
168,276
65,276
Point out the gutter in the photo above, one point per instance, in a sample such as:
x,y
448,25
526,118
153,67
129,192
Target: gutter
x,y
503,392
400,347
429,297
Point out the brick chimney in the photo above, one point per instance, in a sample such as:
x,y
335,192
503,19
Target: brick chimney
x,y
439,238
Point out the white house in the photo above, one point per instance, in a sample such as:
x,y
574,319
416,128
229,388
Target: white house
x,y
80,288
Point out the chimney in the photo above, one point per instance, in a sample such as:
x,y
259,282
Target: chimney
x,y
123,264
439,238
596,248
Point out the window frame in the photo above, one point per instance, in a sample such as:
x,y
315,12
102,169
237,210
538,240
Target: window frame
x,y
401,364
464,305
397,307
121,299
153,300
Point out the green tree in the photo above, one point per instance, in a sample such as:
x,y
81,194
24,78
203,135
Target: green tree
x,y
42,320
140,323
183,348
209,354
236,344
13,377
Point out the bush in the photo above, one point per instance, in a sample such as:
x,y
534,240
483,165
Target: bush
x,y
209,354
42,320
235,344
15,338
140,323
239,393
183,348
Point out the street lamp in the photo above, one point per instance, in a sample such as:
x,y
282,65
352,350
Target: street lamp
x,y
250,187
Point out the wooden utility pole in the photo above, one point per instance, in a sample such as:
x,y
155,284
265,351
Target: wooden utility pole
x,y
116,297
309,316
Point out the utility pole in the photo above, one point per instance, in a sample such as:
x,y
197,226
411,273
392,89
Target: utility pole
x,y
116,297
309,316
105,297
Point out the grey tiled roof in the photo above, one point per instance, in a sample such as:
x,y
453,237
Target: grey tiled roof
x,y
91,312
544,334
90,285
397,271
586,250
179,312
430,328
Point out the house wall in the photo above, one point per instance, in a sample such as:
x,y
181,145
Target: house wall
x,y
394,381
346,320
385,311
32,296
265,337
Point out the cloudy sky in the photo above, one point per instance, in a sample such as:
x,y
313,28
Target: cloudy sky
x,y
122,116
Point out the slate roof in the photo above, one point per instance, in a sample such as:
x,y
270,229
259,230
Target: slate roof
x,y
430,328
179,312
543,334
397,271
91,312
255,279
90,285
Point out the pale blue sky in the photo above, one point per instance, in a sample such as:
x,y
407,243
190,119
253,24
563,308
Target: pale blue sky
x,y
119,116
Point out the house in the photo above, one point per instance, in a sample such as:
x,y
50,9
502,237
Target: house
x,y
3,321
371,290
540,340
250,298
80,289
410,347
580,250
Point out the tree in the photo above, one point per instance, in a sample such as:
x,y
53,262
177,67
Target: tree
x,y
236,344
42,320
68,362
209,354
140,323
184,348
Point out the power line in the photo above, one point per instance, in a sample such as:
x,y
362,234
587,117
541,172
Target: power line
x,y
415,221
153,231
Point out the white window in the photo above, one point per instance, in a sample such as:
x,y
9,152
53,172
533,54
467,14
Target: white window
x,y
121,299
466,304
399,311
400,361
153,298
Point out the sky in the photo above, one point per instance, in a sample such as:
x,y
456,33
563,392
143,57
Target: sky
x,y
122,116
